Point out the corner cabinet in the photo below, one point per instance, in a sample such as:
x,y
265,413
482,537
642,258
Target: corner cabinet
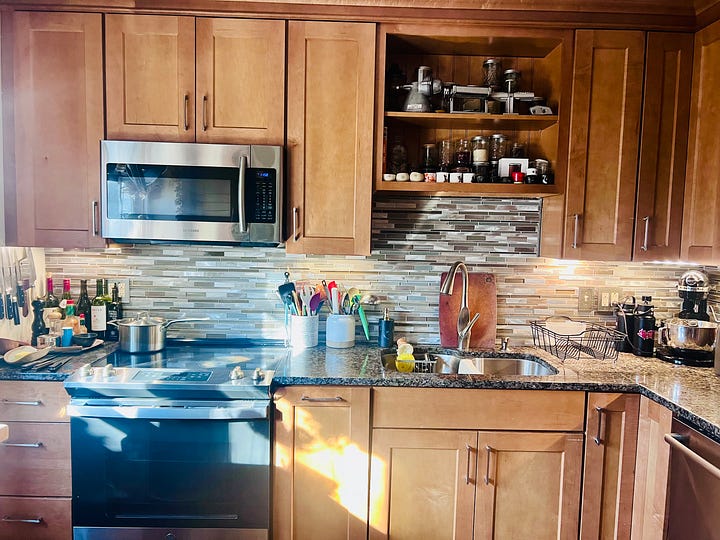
x,y
473,473
53,114
331,69
456,52
701,217
183,79
322,442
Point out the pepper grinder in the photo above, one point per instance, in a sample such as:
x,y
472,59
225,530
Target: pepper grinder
x,y
38,324
386,333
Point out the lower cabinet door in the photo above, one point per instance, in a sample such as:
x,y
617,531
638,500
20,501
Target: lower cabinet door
x,y
528,485
422,484
35,518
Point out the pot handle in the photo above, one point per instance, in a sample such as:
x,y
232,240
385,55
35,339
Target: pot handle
x,y
168,323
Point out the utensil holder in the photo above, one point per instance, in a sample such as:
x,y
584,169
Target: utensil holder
x,y
303,331
340,331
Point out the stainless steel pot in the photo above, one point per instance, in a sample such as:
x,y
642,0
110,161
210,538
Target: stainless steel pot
x,y
145,334
689,334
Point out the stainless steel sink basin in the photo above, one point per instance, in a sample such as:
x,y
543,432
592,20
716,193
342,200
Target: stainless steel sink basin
x,y
443,363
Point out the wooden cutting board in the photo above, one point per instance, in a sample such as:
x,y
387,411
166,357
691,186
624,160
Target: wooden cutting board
x,y
482,298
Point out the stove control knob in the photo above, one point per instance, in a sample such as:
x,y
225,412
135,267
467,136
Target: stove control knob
x,y
237,373
258,374
86,370
108,371
170,536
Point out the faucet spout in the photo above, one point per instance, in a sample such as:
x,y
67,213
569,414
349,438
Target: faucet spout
x,y
464,324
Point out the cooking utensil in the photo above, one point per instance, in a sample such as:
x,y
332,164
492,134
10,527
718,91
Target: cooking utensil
x,y
363,317
315,303
144,334
689,334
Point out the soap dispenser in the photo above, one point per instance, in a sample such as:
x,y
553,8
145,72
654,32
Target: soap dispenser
x,y
386,330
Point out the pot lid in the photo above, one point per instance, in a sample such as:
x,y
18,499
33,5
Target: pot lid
x,y
142,319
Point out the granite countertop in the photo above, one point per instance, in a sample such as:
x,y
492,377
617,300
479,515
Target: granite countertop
x,y
693,394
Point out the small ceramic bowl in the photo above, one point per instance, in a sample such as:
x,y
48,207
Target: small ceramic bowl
x,y
84,340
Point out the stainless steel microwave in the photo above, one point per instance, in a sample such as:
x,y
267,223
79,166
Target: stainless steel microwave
x,y
187,192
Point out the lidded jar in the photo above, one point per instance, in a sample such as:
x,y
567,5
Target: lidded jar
x,y
511,80
446,154
493,72
498,147
429,158
462,153
480,150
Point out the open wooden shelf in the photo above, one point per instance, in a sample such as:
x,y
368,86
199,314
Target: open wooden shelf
x,y
510,122
469,190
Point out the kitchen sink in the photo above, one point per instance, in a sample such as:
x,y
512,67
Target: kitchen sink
x,y
466,364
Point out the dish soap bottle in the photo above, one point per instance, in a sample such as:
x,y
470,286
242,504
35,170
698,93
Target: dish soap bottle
x,y
386,330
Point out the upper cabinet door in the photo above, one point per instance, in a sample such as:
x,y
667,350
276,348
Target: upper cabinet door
x,y
604,128
331,70
663,146
150,77
701,215
53,191
240,81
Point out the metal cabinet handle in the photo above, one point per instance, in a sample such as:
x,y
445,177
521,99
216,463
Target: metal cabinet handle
x,y
34,521
321,399
488,449
242,223
597,438
204,114
23,445
186,123
576,218
295,211
31,403
644,246
468,448
675,442
94,217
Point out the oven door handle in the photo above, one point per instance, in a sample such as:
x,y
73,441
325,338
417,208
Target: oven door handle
x,y
255,410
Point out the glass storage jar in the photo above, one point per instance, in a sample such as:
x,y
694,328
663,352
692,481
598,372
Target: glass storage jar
x,y
498,147
493,72
479,149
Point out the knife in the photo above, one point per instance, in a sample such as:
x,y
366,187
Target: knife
x,y
2,282
19,291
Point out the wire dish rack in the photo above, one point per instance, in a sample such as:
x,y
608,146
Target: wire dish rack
x,y
566,338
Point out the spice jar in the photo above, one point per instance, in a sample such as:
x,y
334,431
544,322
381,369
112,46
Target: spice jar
x,y
511,80
479,149
498,147
493,71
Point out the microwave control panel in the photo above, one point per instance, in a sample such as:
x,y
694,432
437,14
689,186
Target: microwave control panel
x,y
261,195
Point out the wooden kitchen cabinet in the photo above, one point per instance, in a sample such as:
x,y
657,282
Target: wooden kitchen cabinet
x,y
195,79
604,127
651,471
331,69
322,442
701,214
467,478
456,53
610,449
35,484
53,124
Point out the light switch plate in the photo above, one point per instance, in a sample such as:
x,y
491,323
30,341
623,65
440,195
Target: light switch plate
x,y
586,299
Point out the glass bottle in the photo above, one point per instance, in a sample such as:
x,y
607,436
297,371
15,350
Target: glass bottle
x,y
114,312
70,318
51,301
65,296
446,156
98,311
82,308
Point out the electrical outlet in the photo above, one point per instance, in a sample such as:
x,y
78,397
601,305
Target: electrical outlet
x,y
586,299
609,297
123,288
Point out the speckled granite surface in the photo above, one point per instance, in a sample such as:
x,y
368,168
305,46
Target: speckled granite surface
x,y
693,394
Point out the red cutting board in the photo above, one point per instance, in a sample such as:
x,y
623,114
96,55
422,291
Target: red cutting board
x,y
482,298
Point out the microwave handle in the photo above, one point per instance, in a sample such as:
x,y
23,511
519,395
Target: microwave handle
x,y
241,194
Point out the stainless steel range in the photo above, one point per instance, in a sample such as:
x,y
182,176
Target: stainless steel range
x,y
173,445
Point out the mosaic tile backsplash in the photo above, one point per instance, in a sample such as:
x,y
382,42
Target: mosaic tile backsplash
x,y
414,241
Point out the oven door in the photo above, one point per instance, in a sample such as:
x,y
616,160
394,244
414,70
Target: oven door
x,y
148,467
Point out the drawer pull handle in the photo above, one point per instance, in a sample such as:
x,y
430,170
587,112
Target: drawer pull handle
x,y
10,402
675,442
34,521
488,449
322,399
597,438
24,445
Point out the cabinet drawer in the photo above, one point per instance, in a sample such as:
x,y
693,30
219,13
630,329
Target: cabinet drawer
x,y
33,401
443,408
41,466
47,519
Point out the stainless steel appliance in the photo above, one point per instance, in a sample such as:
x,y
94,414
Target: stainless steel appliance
x,y
173,444
187,192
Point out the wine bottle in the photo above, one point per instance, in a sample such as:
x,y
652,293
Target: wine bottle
x,y
65,296
98,311
114,312
83,304
51,303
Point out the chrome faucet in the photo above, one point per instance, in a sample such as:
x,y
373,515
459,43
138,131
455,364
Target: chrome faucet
x,y
464,323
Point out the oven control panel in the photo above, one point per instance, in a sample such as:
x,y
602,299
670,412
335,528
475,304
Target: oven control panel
x,y
159,375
